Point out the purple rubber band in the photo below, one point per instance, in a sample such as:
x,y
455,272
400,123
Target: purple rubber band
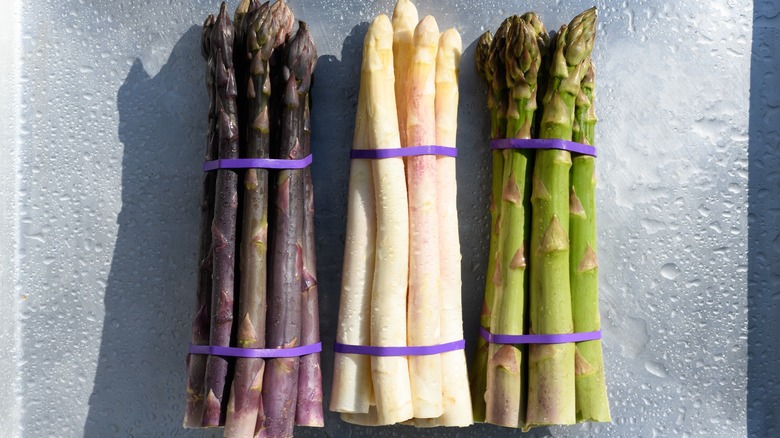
x,y
376,154
539,339
399,351
256,352
542,143
256,163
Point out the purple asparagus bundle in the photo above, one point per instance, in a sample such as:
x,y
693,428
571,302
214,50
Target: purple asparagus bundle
x,y
264,115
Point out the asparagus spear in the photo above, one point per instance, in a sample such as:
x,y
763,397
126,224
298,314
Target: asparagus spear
x,y
455,391
352,388
551,398
491,67
309,410
265,29
196,364
280,381
424,314
478,376
591,389
505,386
224,226
390,375
404,21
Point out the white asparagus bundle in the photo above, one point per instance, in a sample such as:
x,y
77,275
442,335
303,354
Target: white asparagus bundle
x,y
390,374
399,238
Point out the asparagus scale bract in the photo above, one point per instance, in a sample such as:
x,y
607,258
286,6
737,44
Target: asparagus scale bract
x,y
284,299
224,225
551,392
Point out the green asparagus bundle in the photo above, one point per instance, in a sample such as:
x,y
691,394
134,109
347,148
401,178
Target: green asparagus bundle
x,y
531,270
277,266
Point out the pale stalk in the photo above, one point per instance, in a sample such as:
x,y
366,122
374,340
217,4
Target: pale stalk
x,y
390,375
352,388
455,389
424,309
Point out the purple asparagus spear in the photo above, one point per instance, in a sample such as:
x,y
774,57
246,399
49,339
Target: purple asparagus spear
x,y
280,383
224,224
266,28
309,411
196,363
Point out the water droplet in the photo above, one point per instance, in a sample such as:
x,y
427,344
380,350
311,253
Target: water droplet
x,y
670,271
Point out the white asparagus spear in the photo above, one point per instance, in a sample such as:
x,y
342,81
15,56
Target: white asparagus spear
x,y
455,390
424,301
388,302
352,388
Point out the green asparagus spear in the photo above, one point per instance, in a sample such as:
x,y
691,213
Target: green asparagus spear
x,y
479,370
224,226
478,376
551,398
591,389
505,386
196,363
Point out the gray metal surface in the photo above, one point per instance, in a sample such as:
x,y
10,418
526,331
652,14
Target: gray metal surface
x,y
764,225
113,121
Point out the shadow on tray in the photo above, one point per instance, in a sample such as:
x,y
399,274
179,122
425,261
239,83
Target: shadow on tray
x,y
140,380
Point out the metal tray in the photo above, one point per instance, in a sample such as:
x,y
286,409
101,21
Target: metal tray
x,y
102,121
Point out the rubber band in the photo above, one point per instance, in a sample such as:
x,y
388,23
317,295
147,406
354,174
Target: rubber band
x,y
270,353
399,351
539,339
378,154
257,163
542,143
